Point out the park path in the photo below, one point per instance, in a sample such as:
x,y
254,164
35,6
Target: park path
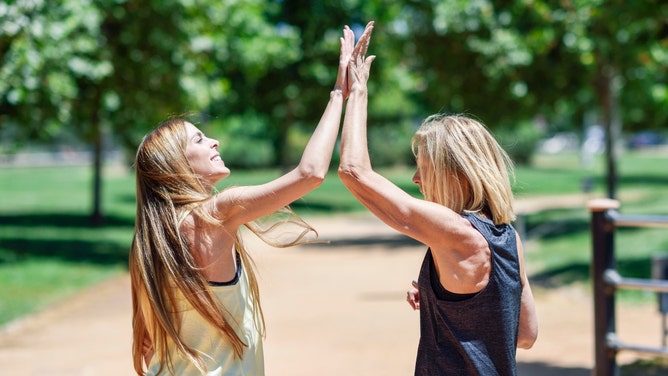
x,y
331,309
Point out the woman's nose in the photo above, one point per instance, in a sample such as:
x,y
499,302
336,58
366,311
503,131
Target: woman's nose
x,y
214,144
416,178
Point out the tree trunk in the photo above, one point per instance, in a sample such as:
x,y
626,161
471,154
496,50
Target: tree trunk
x,y
607,101
96,216
281,147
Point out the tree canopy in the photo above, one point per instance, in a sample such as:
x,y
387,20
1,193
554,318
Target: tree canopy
x,y
263,68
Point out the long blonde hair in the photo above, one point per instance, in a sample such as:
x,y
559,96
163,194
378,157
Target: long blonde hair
x,y
160,259
463,167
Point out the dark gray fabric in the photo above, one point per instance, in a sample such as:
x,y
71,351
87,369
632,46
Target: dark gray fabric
x,y
477,335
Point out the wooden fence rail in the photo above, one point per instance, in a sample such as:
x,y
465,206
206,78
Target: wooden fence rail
x,y
606,281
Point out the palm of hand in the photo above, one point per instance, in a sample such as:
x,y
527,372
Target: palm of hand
x,y
359,65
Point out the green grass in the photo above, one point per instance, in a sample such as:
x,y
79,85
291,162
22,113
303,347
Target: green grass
x,y
562,254
48,250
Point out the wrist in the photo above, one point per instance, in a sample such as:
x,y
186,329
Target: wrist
x,y
358,90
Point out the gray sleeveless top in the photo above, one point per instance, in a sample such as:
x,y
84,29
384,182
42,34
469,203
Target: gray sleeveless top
x,y
475,334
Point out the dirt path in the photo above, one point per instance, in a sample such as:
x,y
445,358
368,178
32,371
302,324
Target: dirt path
x,y
334,309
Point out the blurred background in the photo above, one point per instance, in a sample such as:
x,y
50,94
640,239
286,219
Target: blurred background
x,y
576,91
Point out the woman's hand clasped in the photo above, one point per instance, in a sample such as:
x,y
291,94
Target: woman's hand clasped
x,y
413,296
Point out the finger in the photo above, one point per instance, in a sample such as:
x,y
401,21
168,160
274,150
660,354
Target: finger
x,y
362,48
347,40
348,32
368,29
366,35
349,37
347,44
362,45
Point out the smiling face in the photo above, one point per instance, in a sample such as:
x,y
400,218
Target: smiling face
x,y
203,156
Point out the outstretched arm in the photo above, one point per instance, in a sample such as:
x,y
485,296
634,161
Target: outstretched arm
x,y
378,194
317,154
422,220
240,205
354,152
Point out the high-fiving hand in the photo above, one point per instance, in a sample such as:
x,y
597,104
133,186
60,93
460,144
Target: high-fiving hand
x,y
349,52
360,65
347,47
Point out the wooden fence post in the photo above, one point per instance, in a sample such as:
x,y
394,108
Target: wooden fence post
x,y
602,232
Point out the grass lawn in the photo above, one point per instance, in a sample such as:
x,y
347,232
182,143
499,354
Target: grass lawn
x,y
48,250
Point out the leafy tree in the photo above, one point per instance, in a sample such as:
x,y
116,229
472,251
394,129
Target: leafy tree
x,y
621,48
392,110
117,67
241,57
50,66
96,67
283,62
44,48
513,60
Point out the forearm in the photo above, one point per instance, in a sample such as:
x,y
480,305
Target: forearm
x,y
318,151
528,327
354,145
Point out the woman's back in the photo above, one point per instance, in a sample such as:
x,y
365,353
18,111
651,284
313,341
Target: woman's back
x,y
472,334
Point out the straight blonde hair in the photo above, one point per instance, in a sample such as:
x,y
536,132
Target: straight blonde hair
x,y
463,167
160,259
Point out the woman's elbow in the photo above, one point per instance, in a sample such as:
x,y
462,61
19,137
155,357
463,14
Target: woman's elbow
x,y
527,338
314,176
314,180
352,168
348,175
343,172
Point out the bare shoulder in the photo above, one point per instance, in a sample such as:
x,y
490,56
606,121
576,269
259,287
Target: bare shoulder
x,y
446,229
226,204
464,261
212,246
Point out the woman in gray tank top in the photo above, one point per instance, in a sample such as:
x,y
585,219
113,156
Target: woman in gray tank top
x,y
475,302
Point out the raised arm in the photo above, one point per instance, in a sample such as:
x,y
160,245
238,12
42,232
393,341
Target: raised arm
x,y
378,194
422,220
383,198
239,205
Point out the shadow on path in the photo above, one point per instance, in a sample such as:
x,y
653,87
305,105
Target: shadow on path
x,y
543,369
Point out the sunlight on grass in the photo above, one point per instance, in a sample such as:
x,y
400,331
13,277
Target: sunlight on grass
x,y
48,250
32,284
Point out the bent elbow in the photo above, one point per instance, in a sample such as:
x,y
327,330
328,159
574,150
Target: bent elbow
x,y
317,180
343,172
351,170
527,340
348,175
314,177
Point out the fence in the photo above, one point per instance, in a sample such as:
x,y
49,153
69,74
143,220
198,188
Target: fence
x,y
606,281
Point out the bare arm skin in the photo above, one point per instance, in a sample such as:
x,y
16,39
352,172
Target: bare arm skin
x,y
528,329
461,253
212,245
243,204
528,326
